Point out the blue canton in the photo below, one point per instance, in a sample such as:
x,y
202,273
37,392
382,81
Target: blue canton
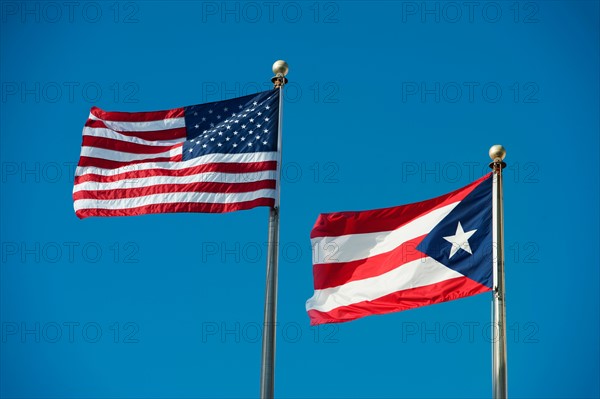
x,y
240,125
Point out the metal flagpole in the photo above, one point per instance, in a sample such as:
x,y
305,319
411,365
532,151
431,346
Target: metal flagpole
x,y
267,371
499,385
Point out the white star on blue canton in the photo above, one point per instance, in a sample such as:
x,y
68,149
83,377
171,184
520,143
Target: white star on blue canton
x,y
460,240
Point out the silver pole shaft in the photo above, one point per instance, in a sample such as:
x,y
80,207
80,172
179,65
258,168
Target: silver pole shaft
x,y
267,371
499,383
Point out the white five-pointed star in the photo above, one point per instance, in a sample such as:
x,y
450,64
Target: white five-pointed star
x,y
460,240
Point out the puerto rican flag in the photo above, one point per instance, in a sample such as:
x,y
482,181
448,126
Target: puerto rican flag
x,y
393,259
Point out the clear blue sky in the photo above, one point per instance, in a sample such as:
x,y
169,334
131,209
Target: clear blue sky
x,y
388,103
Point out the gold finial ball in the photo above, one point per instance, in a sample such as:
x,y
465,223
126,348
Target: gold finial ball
x,y
280,67
497,151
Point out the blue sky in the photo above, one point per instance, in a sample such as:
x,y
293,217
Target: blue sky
x,y
388,103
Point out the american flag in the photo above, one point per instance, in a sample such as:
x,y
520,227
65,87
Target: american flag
x,y
214,157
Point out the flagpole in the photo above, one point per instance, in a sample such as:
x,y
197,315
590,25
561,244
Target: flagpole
x,y
499,383
267,371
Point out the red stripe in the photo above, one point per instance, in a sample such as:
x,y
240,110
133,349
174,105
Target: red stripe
x,y
444,291
176,208
150,135
108,164
327,275
209,167
199,187
385,219
137,116
125,146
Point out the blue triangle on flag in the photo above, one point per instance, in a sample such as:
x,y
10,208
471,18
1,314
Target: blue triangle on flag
x,y
462,241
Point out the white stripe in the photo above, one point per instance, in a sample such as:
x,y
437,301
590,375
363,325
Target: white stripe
x,y
204,159
165,198
351,247
120,156
418,273
149,126
213,177
110,134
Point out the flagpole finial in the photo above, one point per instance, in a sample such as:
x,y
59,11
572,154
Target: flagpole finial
x,y
280,69
497,153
